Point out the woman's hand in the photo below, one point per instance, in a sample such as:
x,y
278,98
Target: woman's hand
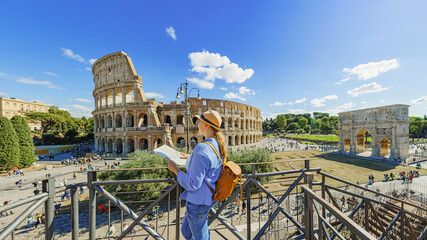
x,y
172,166
184,156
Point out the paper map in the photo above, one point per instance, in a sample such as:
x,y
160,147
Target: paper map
x,y
166,151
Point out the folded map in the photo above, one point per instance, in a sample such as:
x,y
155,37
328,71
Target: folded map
x,y
165,151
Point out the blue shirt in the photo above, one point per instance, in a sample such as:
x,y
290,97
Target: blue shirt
x,y
203,167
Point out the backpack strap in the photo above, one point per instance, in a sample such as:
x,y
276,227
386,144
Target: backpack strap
x,y
217,154
210,144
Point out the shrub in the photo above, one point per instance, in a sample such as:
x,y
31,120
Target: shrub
x,y
253,156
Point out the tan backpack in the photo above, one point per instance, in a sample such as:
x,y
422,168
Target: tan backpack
x,y
227,179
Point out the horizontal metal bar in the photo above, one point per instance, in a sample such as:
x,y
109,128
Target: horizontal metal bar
x,y
379,202
135,181
22,202
15,223
372,191
350,224
280,173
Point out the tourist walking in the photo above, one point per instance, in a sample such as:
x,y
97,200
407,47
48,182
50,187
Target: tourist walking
x,y
203,169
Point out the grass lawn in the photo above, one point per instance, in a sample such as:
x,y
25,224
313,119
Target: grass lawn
x,y
347,168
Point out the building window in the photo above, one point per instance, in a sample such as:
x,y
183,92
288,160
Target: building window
x,y
14,104
7,103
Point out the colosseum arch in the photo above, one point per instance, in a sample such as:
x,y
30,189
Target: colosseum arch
x,y
236,140
109,121
143,144
119,97
230,142
168,120
118,120
222,123
119,145
110,98
180,119
230,123
130,146
109,146
387,125
129,120
142,120
157,143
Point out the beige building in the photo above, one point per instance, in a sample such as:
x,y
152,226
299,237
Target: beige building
x,y
125,120
10,107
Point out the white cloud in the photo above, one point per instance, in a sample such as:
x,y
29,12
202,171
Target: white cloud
x,y
372,87
296,111
171,31
201,83
51,74
298,101
153,95
270,115
340,108
30,80
2,94
211,66
70,54
83,100
342,80
278,104
79,110
422,99
246,91
223,88
89,69
5,75
363,102
372,69
232,95
319,102
382,101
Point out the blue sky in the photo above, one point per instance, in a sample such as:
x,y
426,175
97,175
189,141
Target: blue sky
x,y
278,56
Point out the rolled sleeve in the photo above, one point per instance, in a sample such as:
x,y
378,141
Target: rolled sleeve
x,y
193,179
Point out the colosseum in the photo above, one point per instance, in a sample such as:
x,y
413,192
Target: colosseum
x,y
125,120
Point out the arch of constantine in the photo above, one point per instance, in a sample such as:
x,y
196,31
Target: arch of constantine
x,y
125,120
388,127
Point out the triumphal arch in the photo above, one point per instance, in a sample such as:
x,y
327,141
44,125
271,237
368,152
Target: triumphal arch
x,y
125,120
387,127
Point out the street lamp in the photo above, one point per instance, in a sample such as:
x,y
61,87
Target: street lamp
x,y
183,89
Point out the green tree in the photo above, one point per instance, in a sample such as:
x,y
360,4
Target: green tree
x,y
307,128
57,111
9,145
293,126
26,145
49,121
281,121
303,122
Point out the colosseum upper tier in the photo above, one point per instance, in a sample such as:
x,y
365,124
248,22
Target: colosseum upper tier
x,y
125,120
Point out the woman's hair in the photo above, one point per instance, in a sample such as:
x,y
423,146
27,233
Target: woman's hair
x,y
221,142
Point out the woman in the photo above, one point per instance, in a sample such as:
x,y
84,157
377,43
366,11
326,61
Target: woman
x,y
203,169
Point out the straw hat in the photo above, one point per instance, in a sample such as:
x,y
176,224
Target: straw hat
x,y
212,118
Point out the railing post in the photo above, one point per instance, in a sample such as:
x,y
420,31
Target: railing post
x,y
248,205
308,210
91,177
49,187
323,207
178,208
306,166
75,213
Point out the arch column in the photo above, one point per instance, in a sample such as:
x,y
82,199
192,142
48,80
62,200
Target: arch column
x,y
124,148
114,145
114,97
135,119
96,143
135,143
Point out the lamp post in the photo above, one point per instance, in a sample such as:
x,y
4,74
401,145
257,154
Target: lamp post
x,y
183,89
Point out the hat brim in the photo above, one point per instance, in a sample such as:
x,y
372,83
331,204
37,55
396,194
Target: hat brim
x,y
213,126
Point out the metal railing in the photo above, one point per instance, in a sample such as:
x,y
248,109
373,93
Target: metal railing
x,y
295,211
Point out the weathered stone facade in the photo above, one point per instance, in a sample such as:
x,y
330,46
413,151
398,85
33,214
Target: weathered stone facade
x,y
388,126
125,120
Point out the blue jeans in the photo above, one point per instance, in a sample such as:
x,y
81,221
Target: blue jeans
x,y
195,223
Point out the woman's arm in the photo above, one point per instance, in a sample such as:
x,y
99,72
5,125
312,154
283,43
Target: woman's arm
x,y
193,179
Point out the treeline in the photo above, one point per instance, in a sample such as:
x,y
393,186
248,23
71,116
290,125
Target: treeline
x,y
16,144
59,127
418,127
302,123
